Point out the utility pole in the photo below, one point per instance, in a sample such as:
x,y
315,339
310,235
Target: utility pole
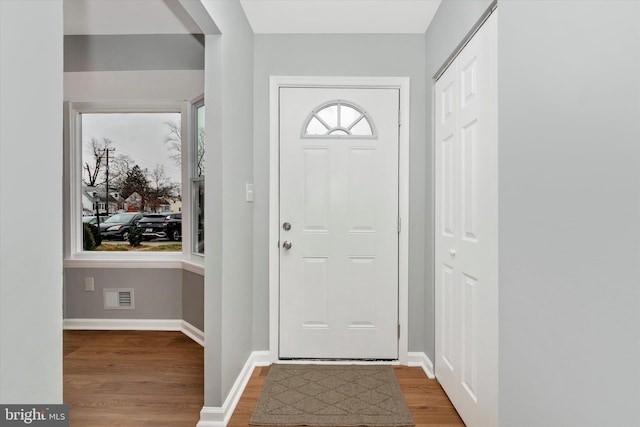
x,y
107,150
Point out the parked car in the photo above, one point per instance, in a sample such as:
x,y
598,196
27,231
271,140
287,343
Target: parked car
x,y
94,219
161,226
118,225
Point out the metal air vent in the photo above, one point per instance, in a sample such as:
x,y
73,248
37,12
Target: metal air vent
x,y
120,298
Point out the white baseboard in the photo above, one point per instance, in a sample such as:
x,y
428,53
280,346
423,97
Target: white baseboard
x,y
211,416
137,325
418,358
192,332
124,324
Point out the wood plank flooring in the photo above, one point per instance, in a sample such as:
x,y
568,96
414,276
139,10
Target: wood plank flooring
x,y
133,379
156,379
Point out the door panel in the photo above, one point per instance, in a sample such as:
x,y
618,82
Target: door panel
x,y
467,229
339,278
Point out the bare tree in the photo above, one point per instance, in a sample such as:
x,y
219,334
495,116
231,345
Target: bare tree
x,y
200,159
119,169
161,189
173,140
95,165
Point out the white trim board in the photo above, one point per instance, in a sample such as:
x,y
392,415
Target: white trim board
x,y
401,83
177,325
211,416
187,265
420,359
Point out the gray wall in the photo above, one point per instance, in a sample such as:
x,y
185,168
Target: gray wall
x,y
569,134
133,52
229,219
30,255
569,126
193,299
158,293
339,55
134,68
450,25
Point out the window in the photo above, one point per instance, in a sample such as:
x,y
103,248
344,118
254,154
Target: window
x,y
197,180
131,163
338,119
128,158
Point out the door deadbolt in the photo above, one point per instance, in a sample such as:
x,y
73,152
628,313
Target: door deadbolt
x,y
286,226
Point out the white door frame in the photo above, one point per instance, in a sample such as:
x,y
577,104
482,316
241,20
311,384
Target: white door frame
x,y
401,83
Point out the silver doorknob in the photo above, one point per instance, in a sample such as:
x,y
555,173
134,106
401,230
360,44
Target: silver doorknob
x,y
452,252
286,245
286,226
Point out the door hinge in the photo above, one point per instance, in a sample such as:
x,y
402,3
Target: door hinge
x,y
398,331
399,121
399,224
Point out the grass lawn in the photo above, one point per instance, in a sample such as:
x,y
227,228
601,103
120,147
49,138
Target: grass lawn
x,y
125,247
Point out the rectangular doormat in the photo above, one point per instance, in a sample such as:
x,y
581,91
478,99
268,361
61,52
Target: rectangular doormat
x,y
331,395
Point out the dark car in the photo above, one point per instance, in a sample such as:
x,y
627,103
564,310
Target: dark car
x,y
160,226
94,219
118,225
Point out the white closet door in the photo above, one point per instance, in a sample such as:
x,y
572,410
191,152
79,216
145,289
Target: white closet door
x,y
466,257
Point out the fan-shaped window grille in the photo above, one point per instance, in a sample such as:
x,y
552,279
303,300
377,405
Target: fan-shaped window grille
x,y
338,119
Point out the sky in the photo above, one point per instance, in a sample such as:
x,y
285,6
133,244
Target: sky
x,y
140,135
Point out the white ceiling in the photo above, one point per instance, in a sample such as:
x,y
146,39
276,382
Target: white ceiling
x,y
265,16
340,16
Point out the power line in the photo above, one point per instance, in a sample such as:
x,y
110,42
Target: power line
x,y
107,150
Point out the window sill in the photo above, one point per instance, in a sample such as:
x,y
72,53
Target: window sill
x,y
177,260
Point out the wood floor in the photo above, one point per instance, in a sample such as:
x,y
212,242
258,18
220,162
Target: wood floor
x,y
133,379
145,379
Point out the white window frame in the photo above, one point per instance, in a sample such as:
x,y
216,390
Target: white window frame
x,y
338,102
193,176
75,256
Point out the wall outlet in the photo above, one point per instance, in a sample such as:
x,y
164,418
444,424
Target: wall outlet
x,y
88,284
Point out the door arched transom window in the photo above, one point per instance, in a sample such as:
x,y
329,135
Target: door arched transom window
x,y
339,119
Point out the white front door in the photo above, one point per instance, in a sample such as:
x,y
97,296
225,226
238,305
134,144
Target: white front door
x,y
338,223
466,231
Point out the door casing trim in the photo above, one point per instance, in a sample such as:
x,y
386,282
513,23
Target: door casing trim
x,y
401,83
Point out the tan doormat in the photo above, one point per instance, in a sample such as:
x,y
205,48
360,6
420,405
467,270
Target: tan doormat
x,y
331,395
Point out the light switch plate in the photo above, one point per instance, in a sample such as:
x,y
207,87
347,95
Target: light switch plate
x,y
249,192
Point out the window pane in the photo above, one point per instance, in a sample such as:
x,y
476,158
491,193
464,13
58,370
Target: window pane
x,y
348,115
362,128
329,115
131,165
199,216
316,127
197,183
201,133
